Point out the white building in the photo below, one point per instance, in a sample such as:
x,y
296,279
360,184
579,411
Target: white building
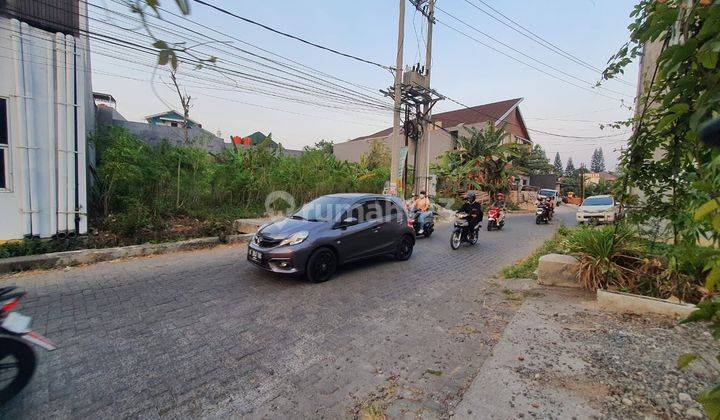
x,y
46,110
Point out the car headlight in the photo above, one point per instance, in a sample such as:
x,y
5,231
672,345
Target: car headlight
x,y
295,238
256,239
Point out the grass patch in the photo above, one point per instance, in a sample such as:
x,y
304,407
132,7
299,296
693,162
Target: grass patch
x,y
373,411
525,268
433,372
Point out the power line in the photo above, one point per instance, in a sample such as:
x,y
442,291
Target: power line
x,y
526,55
104,37
524,63
538,39
518,125
144,49
354,95
369,89
355,98
297,38
147,50
110,74
244,51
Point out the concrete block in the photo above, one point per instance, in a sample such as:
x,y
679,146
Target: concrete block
x,y
252,225
558,270
642,305
242,238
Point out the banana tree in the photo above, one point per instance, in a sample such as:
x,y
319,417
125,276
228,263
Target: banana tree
x,y
482,160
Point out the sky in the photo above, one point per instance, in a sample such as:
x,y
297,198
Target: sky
x,y
463,69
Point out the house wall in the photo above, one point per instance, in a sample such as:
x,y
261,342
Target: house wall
x,y
42,74
440,140
155,134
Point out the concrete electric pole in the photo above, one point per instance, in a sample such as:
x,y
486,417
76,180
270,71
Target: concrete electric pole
x,y
396,140
411,90
422,173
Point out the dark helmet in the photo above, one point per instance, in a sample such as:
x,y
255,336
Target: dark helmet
x,y
470,196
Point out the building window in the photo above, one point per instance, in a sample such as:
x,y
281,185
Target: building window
x,y
4,147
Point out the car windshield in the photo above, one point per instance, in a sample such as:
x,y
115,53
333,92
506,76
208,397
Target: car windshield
x,y
548,193
598,201
322,209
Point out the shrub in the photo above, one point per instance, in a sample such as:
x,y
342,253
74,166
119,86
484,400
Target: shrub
x,y
138,186
511,205
613,257
608,256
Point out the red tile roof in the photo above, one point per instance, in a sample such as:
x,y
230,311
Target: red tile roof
x,y
472,115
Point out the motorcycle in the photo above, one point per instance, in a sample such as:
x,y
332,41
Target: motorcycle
x,y
428,227
17,358
496,218
462,232
542,214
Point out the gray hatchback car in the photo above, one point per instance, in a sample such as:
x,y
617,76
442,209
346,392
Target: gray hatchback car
x,y
332,230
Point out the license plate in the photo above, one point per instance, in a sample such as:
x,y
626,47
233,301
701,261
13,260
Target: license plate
x,y
254,255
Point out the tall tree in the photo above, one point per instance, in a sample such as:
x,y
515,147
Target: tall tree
x,y
593,160
570,168
481,161
601,161
597,164
538,162
558,164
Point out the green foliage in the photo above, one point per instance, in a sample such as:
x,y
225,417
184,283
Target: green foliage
x,y
37,246
377,157
685,359
664,159
570,170
558,165
607,256
136,185
597,163
679,179
601,188
325,146
481,161
533,160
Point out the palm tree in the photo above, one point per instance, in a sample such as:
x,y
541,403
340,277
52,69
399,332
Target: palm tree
x,y
481,160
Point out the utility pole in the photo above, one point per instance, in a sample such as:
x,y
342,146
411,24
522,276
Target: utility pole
x,y
424,141
422,152
396,140
412,90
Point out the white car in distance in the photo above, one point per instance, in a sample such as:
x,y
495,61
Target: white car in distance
x,y
598,209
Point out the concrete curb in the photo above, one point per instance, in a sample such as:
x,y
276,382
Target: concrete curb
x,y
641,305
89,256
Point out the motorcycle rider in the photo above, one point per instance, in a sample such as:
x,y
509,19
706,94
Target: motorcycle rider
x,y
473,209
499,201
422,206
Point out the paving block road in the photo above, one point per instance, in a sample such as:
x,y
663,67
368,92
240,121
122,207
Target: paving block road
x,y
207,334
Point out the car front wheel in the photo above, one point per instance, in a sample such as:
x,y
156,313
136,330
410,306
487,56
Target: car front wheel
x,y
321,265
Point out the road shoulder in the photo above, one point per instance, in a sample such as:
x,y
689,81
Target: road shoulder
x,y
560,357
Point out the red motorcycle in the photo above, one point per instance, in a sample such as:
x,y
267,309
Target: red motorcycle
x,y
17,358
496,218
